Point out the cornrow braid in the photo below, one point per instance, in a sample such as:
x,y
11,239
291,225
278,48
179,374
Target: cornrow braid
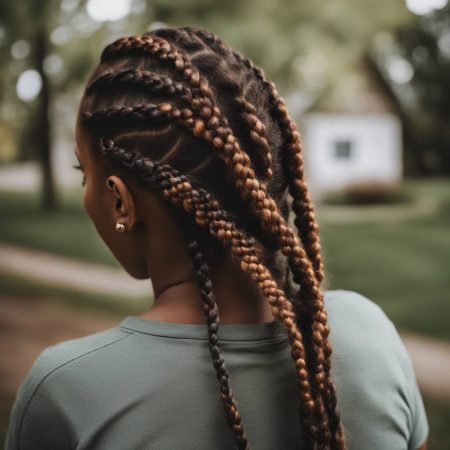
x,y
286,238
180,191
211,123
155,81
257,133
304,221
162,83
161,49
212,316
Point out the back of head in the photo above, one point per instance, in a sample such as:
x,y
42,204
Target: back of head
x,y
127,83
187,116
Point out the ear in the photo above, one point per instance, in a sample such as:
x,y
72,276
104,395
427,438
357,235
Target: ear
x,y
123,202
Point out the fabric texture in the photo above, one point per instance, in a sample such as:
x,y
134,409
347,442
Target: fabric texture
x,y
151,385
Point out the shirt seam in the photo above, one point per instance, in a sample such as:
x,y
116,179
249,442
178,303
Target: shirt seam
x,y
28,403
276,339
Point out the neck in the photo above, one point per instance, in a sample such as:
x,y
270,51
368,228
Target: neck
x,y
237,296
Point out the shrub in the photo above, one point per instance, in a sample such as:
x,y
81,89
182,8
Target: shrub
x,y
368,192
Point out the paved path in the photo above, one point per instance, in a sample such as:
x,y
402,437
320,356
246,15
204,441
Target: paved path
x,y
60,271
431,360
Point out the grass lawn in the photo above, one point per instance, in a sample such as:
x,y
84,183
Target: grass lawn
x,y
66,232
402,264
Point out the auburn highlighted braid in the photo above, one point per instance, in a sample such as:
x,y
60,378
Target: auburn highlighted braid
x,y
239,125
145,78
303,209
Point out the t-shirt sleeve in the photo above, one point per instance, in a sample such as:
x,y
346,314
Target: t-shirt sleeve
x,y
418,421
374,374
34,423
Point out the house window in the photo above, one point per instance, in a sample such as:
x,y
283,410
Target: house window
x,y
343,149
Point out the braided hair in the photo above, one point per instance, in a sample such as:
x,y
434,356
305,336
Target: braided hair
x,y
178,109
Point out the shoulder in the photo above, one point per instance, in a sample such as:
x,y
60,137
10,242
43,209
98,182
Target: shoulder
x,y
373,372
68,353
344,304
360,328
55,357
356,320
36,403
361,333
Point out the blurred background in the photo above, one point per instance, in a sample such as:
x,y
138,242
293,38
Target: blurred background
x,y
368,84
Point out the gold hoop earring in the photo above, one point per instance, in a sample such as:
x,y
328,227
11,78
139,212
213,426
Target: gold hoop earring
x,y
120,227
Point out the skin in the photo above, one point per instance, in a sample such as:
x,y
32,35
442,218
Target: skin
x,y
152,247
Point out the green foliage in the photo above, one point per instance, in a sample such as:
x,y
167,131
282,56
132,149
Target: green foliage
x,y
423,44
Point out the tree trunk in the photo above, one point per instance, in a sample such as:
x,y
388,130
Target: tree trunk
x,y
43,126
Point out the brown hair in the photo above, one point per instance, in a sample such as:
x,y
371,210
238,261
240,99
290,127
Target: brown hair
x,y
178,109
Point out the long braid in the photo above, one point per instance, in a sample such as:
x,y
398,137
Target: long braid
x,y
304,221
309,231
211,311
207,211
302,207
287,239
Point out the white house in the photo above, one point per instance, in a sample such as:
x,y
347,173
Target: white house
x,y
344,148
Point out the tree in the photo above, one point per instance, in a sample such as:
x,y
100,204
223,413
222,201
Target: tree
x,y
422,48
302,47
31,24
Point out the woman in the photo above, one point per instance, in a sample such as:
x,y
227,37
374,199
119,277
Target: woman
x,y
188,155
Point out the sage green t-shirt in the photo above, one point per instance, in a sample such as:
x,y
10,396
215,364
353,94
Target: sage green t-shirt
x,y
151,385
